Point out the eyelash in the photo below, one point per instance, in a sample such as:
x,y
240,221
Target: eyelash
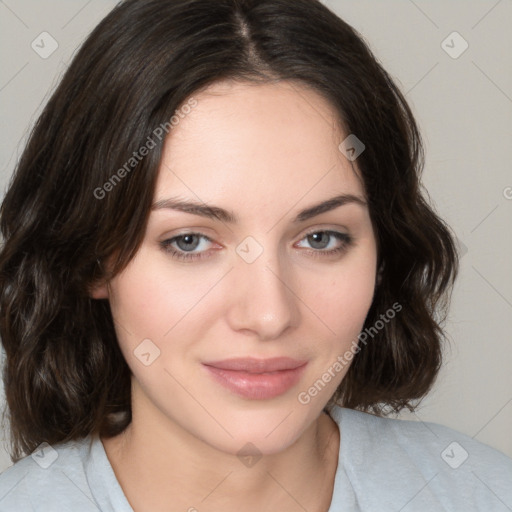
x,y
346,240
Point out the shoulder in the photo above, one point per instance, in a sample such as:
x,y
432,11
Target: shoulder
x,y
52,478
422,461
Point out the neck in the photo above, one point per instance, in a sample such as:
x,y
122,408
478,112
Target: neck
x,y
161,467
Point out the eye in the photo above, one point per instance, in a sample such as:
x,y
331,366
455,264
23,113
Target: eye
x,y
194,246
327,243
183,246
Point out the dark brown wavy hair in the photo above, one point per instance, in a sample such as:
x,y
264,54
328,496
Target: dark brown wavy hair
x,y
64,374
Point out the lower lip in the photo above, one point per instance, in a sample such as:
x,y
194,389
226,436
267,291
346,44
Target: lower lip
x,y
257,386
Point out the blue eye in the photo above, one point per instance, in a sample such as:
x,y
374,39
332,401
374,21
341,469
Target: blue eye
x,y
185,243
189,246
322,242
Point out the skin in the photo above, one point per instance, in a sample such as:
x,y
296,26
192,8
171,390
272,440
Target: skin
x,y
263,152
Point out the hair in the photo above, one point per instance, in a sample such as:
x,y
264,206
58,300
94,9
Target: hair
x,y
64,374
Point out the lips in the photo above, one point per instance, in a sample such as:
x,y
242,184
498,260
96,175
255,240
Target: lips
x,y
257,379
253,365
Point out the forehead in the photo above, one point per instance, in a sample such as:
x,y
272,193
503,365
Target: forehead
x,y
262,141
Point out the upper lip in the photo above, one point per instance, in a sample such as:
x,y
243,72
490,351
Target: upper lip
x,y
254,365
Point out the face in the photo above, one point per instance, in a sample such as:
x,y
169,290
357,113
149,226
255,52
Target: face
x,y
233,309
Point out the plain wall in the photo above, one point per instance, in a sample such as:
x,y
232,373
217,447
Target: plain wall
x,y
464,108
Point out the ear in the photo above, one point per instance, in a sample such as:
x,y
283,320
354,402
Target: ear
x,y
99,289
379,274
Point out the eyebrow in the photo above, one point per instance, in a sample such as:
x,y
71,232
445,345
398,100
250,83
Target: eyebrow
x,y
215,212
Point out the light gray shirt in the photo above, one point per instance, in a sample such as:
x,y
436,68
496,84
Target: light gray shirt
x,y
384,465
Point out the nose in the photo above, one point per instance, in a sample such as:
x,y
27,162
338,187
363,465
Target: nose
x,y
263,302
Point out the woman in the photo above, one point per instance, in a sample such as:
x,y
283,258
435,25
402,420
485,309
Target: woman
x,y
218,263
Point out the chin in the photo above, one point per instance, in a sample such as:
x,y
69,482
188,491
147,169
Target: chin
x,y
266,428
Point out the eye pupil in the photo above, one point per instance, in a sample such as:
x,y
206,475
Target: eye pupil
x,y
189,242
321,238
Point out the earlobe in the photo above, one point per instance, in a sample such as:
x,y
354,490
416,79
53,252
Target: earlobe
x,y
99,291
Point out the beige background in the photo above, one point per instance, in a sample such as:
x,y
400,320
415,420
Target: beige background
x,y
464,108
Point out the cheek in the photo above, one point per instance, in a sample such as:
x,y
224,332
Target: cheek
x,y
149,300
343,300
342,307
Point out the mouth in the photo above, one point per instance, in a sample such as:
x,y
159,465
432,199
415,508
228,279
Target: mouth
x,y
257,379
